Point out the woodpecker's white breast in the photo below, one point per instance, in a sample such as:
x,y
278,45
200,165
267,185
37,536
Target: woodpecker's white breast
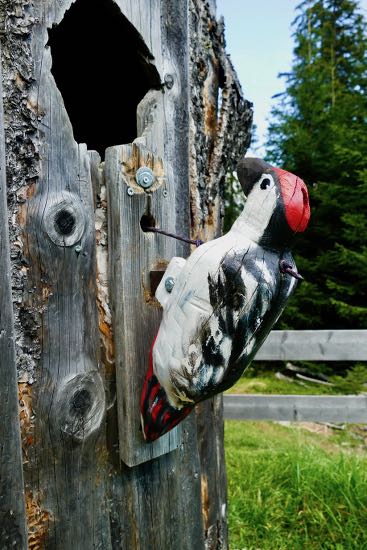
x,y
222,305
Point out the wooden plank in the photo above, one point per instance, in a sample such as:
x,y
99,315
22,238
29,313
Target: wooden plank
x,y
145,16
136,312
12,506
314,345
65,473
139,520
302,408
213,472
135,253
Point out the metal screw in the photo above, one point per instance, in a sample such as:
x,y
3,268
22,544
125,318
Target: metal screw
x,y
165,193
169,81
144,177
130,191
78,248
169,283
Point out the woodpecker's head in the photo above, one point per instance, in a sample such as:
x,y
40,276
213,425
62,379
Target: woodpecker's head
x,y
277,203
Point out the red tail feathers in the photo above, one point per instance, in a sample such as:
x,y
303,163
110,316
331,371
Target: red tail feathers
x,y
157,415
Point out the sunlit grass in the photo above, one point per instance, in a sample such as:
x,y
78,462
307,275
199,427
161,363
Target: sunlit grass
x,y
264,380
291,489
268,383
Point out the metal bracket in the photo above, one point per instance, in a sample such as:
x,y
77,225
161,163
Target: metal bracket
x,y
144,177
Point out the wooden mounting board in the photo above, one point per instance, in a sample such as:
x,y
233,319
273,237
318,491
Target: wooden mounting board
x,y
136,312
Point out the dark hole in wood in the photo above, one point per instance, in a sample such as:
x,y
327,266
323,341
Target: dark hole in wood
x,y
156,276
221,85
64,222
102,69
146,222
81,402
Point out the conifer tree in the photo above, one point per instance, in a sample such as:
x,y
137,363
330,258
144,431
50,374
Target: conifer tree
x,y
319,133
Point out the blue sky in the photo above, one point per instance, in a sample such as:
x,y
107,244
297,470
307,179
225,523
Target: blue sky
x,y
258,35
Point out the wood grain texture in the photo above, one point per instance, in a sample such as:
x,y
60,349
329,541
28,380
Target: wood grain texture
x,y
213,472
64,474
12,505
314,345
145,16
220,119
156,505
78,494
294,408
136,312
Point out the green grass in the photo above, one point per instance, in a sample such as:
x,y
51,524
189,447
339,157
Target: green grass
x,y
267,383
263,380
291,489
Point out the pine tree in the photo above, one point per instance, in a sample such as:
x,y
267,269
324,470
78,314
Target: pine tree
x,y
319,133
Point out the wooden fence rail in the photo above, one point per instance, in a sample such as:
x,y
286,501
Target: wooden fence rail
x,y
296,408
305,345
314,345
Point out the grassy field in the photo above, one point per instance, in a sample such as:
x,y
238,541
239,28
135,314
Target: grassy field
x,y
267,383
293,489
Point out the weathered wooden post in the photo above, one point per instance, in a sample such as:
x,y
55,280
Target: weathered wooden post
x,y
12,513
84,314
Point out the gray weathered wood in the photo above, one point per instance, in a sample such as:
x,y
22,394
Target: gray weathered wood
x,y
78,493
65,469
133,252
314,345
145,16
136,312
212,461
313,380
12,506
138,517
302,408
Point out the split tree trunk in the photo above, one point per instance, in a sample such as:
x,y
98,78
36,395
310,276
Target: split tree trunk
x,y
58,335
220,124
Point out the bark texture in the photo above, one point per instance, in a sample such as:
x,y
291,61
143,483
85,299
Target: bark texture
x,y
220,133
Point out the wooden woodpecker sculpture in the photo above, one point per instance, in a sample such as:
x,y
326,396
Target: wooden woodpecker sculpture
x,y
220,304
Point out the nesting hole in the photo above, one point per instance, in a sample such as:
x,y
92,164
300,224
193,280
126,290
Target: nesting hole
x,y
64,222
147,221
103,70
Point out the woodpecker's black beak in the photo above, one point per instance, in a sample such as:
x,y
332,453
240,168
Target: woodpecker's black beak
x,y
285,267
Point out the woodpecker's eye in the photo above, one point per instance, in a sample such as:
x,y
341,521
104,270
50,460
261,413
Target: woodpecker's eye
x,y
265,183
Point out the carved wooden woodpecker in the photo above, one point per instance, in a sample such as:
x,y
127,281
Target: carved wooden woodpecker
x,y
225,299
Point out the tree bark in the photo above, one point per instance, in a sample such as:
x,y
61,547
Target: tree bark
x,y
220,133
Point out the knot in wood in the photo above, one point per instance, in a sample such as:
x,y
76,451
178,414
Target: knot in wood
x,y
65,222
64,219
81,405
